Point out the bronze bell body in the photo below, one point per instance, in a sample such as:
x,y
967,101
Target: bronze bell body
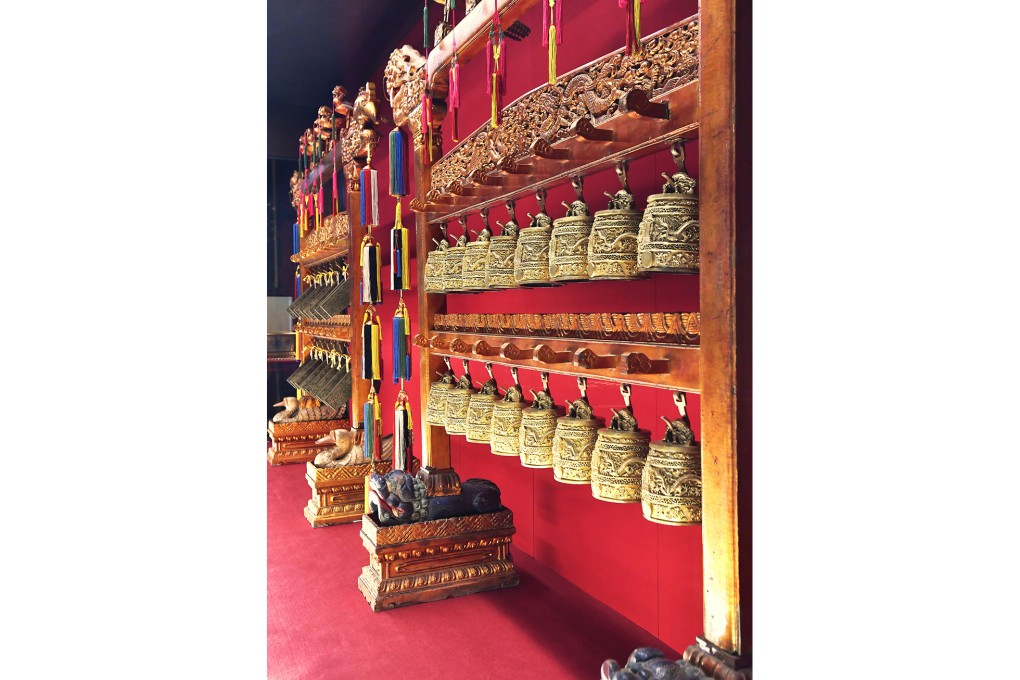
x,y
499,265
453,267
476,256
568,244
506,421
538,425
671,484
574,441
531,259
435,267
457,404
668,237
479,415
619,458
612,246
435,407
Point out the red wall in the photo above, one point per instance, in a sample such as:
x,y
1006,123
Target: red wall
x,y
649,573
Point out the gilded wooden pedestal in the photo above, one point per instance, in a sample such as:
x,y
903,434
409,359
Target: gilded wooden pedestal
x,y
295,442
433,560
338,494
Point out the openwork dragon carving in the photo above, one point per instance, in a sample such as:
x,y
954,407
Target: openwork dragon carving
x,y
667,62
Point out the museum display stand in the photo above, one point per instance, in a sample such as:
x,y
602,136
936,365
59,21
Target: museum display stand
x,y
682,87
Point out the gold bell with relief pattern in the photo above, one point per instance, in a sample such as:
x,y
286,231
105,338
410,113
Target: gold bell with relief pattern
x,y
671,480
457,403
499,266
435,407
479,416
612,246
505,437
668,238
574,440
476,255
619,456
568,245
531,260
453,267
538,425
435,265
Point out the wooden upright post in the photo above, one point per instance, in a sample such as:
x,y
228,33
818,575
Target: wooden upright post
x,y
725,345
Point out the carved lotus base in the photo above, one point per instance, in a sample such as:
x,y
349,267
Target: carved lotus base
x,y
338,494
434,560
295,442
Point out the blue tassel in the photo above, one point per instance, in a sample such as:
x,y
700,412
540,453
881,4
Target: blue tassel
x,y
341,194
369,441
398,163
297,238
361,184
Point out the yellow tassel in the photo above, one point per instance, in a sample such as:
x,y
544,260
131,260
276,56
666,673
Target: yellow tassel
x,y
495,93
637,26
552,54
299,393
367,487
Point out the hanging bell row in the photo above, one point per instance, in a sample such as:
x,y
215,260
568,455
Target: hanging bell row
x,y
619,462
615,244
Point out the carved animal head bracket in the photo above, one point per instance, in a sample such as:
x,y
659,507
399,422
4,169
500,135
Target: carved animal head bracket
x,y
622,199
624,418
543,399
577,207
679,431
681,182
514,393
511,228
486,233
581,408
443,243
489,386
464,382
448,377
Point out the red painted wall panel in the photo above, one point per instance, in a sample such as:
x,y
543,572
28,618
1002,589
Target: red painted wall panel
x,y
649,573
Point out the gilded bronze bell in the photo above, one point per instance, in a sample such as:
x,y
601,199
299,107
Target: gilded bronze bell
x,y
457,403
619,456
538,425
435,407
531,260
668,237
568,244
506,420
612,246
479,416
476,255
574,440
671,479
435,265
499,265
453,270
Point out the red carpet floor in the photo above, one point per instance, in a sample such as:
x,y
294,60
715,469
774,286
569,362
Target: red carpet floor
x,y
321,628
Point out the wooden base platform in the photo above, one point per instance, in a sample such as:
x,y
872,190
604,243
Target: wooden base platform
x,y
437,559
338,494
295,442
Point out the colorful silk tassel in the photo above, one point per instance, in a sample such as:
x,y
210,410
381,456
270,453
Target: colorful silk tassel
x,y
369,183
401,344
398,163
336,194
426,111
455,91
371,361
373,427
403,435
400,255
340,180
297,283
320,207
552,33
371,271
297,238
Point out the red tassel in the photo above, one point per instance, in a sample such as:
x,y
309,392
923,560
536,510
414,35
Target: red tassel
x,y
488,66
545,23
559,22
